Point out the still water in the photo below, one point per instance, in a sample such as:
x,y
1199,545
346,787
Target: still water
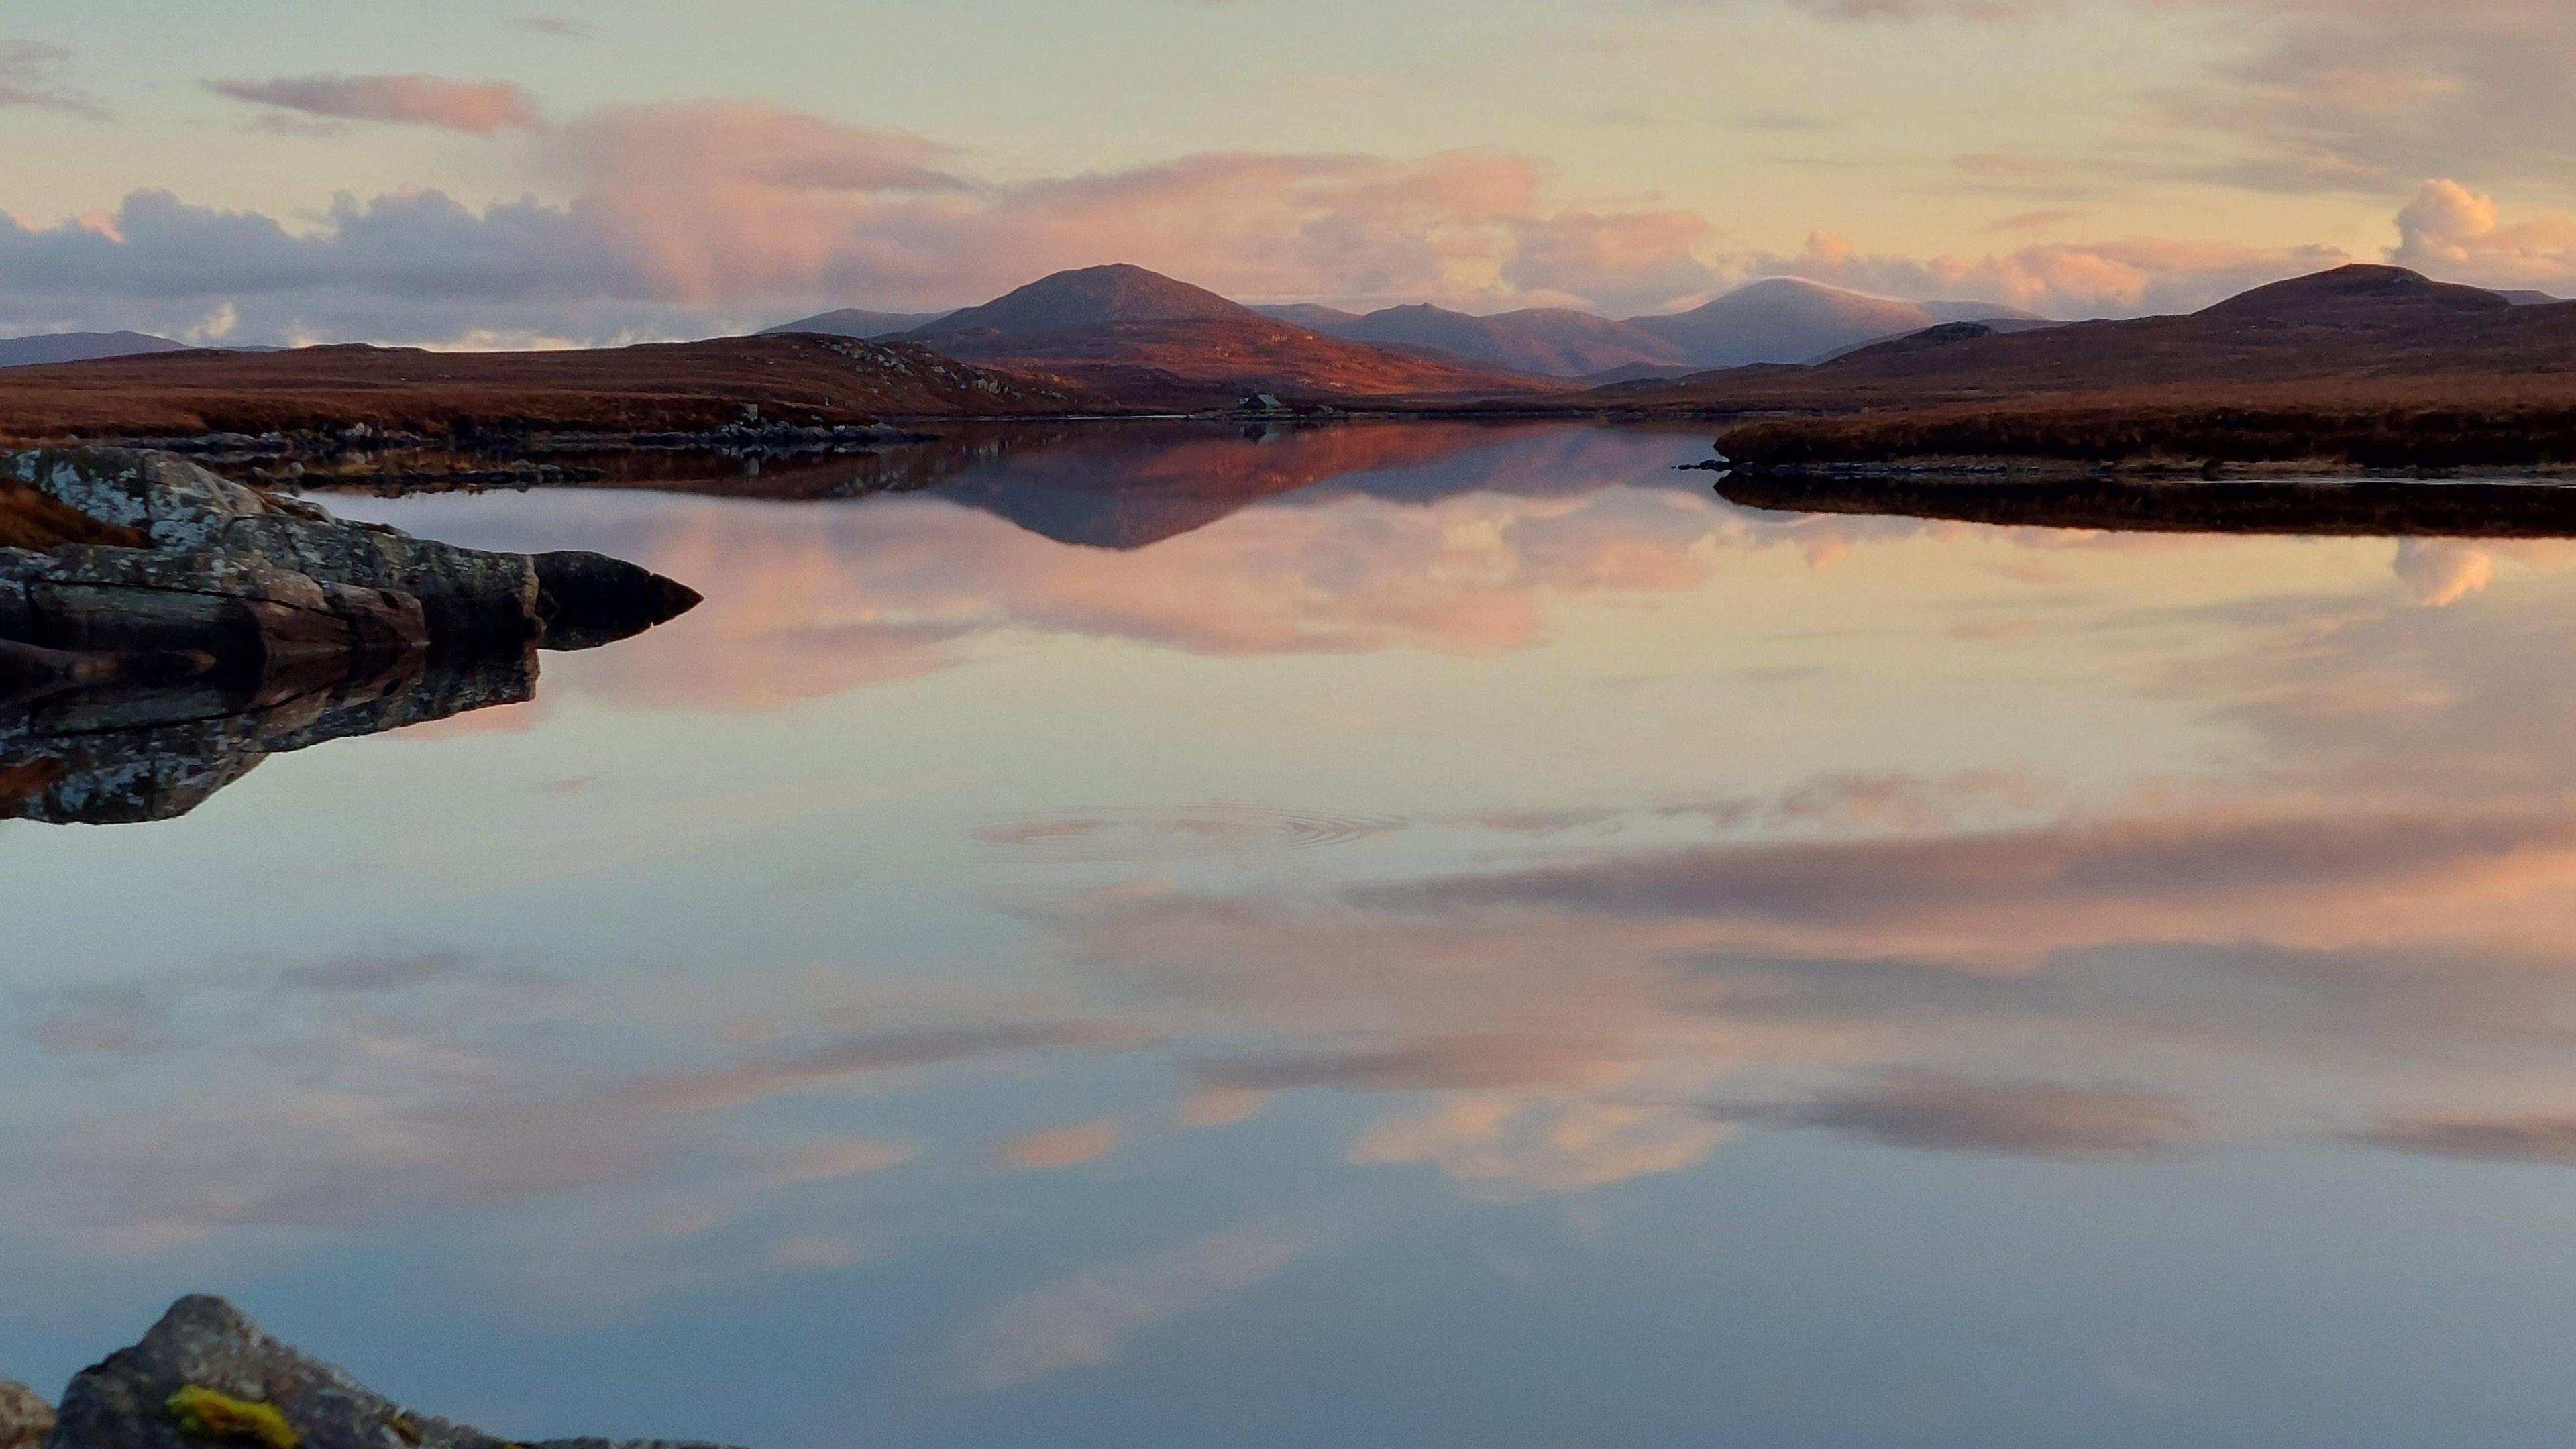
x,y
1414,935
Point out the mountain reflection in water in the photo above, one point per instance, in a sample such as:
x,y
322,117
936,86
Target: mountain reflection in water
x,y
1442,935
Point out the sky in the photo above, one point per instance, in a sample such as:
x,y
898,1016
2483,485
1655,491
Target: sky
x,y
543,172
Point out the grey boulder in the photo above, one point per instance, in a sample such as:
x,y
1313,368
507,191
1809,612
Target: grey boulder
x,y
255,580
207,1374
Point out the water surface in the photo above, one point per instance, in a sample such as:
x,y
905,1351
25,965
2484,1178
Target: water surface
x,y
1423,935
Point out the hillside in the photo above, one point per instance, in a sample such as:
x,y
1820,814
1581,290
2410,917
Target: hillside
x,y
1541,341
2350,323
2366,363
1784,320
1311,316
52,347
668,387
1152,341
855,322
1089,297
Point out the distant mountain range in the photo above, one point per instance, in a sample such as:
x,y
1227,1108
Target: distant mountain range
x,y
51,347
1144,337
2354,322
1542,341
1121,339
1780,320
1792,320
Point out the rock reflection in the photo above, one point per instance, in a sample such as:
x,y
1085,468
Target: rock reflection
x,y
126,755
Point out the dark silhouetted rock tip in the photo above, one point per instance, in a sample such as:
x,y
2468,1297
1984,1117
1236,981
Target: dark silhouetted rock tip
x,y
590,599
215,1363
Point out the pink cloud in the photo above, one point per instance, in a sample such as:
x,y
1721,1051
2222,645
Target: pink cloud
x,y
475,107
1060,1146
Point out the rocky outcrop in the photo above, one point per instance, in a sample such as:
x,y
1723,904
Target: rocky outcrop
x,y
255,581
177,628
206,1374
25,1418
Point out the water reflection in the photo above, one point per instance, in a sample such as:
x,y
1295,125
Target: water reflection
x,y
1484,942
131,754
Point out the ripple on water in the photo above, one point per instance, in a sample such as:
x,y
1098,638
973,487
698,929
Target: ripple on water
x,y
1142,835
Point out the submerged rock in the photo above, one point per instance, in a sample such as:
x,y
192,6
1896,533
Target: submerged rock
x,y
206,1374
25,1418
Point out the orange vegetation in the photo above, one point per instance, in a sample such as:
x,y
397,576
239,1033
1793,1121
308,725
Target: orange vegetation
x,y
689,386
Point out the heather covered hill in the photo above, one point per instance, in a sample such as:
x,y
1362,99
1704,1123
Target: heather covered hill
x,y
2358,322
667,387
1089,297
855,322
2472,420
2374,366
1150,340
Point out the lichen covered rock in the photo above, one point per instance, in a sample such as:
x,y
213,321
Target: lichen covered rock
x,y
177,628
206,1375
253,579
25,1418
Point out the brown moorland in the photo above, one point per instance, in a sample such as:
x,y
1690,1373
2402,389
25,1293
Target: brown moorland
x,y
672,387
2375,365
2354,323
2474,421
2369,507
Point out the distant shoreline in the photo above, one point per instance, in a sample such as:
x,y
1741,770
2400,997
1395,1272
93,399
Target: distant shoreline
x,y
2347,506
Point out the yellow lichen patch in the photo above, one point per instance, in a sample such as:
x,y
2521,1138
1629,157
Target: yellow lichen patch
x,y
213,1418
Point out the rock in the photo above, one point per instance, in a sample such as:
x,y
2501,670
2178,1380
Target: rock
x,y
25,1418
210,1368
211,535
182,628
589,599
247,614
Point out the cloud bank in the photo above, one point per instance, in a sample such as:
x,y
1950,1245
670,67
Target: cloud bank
x,y
692,219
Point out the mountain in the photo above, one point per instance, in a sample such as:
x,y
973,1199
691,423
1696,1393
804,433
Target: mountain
x,y
1312,317
1542,341
1785,319
52,347
856,322
1146,338
2370,365
2353,322
667,387
2531,299
1089,297
1984,312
